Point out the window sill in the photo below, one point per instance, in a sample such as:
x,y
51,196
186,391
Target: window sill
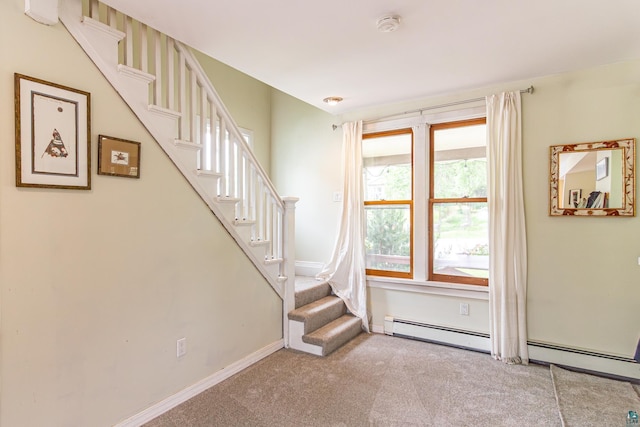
x,y
428,287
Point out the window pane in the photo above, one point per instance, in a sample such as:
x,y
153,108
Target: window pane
x,y
460,178
461,239
388,237
460,164
387,167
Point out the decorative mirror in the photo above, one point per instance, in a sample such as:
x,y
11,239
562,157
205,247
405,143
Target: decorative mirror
x,y
593,179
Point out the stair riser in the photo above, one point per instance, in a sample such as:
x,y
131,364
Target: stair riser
x,y
345,337
296,331
135,88
209,184
103,39
188,158
328,315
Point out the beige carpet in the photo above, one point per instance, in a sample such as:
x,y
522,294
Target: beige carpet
x,y
377,380
587,400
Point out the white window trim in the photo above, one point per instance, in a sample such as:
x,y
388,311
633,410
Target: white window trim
x,y
429,287
430,119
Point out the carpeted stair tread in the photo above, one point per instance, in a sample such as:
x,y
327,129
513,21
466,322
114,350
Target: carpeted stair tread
x,y
311,291
318,313
334,334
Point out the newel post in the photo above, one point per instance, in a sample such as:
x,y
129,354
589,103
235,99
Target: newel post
x,y
289,254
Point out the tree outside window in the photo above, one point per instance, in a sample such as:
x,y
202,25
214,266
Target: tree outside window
x,y
459,219
388,202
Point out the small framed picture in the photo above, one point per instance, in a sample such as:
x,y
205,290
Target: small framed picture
x,y
53,135
118,157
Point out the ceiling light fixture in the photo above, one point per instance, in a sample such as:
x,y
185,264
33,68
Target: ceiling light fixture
x,y
332,100
387,24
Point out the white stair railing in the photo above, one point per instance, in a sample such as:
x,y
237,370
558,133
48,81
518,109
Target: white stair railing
x,y
179,89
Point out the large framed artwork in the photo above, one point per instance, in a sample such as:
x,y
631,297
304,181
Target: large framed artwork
x,y
53,135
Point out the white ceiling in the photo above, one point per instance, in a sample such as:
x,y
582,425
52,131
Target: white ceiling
x,y
312,50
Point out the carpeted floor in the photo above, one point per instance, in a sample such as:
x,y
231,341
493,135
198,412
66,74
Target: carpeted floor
x,y
590,401
377,380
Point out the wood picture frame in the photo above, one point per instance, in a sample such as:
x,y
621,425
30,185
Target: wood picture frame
x,y
53,135
118,157
614,197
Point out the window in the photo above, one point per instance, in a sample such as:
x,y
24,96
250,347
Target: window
x,y
387,177
425,192
458,212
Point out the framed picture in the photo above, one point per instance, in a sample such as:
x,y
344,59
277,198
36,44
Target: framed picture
x,y
118,157
602,169
53,135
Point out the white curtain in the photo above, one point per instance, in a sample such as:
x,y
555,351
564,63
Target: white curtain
x,y
507,235
346,270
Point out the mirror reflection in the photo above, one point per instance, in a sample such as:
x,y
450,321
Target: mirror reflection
x,y
593,179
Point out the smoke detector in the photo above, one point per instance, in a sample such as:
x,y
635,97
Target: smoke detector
x,y
387,24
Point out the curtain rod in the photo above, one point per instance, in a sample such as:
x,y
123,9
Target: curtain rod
x,y
433,107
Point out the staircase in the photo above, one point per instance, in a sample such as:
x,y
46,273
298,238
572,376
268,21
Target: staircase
x,y
166,88
320,322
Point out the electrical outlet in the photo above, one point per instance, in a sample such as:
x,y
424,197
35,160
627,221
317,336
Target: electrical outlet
x,y
337,196
464,309
181,346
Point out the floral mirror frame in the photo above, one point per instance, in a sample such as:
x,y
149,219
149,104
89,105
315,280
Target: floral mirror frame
x,y
574,201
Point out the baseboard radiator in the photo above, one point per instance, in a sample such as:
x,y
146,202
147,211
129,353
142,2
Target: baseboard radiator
x,y
611,365
460,338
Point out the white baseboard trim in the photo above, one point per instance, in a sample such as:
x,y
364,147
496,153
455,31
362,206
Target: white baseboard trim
x,y
197,388
377,329
433,333
590,361
308,268
616,366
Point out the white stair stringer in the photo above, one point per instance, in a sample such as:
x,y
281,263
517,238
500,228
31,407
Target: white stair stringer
x,y
100,42
296,330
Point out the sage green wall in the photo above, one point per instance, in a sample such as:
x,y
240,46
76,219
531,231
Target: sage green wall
x,y
584,278
96,286
306,161
248,101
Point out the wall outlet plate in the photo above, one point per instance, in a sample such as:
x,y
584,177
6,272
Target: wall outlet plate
x,y
464,309
181,347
